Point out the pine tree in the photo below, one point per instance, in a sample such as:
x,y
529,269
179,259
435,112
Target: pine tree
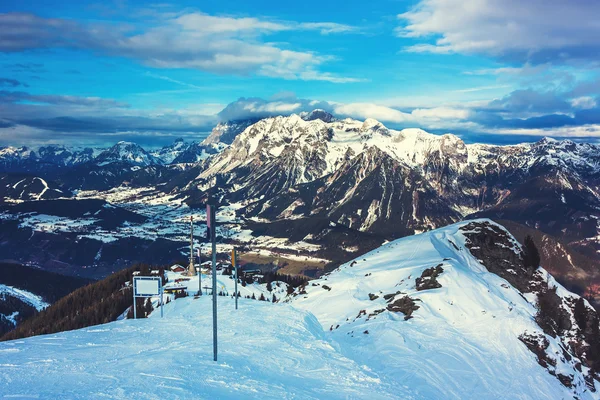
x,y
274,298
580,314
253,297
262,297
531,255
269,286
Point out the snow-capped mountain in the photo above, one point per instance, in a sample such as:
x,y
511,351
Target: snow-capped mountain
x,y
317,114
302,167
126,152
226,132
169,153
55,156
454,313
319,181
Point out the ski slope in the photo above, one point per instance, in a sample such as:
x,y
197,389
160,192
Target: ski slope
x,y
268,351
334,340
462,343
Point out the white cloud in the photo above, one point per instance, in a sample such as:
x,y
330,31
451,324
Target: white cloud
x,y
277,107
584,102
208,24
326,28
481,88
369,110
535,30
582,131
218,44
440,113
425,117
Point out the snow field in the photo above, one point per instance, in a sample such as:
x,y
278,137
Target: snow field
x,y
267,351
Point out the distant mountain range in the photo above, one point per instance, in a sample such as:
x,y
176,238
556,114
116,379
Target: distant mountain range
x,y
306,185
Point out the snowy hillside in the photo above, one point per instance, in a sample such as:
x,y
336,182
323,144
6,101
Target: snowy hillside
x,y
16,304
461,339
454,313
32,299
268,351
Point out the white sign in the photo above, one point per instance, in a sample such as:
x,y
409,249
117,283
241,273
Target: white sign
x,y
146,286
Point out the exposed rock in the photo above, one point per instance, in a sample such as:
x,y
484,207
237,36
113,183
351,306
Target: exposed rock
x,y
428,279
500,253
538,344
405,305
388,297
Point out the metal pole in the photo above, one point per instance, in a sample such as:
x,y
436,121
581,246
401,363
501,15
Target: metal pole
x,y
213,235
191,268
134,305
200,271
162,304
234,260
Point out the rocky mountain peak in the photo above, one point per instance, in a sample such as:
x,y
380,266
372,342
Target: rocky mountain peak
x,y
317,114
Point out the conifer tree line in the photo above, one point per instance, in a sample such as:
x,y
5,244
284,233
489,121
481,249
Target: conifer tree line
x,y
104,301
96,303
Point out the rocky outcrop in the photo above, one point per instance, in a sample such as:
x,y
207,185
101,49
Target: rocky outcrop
x,y
557,311
405,305
428,279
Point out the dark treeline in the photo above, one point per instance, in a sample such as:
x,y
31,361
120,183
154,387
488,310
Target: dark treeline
x,y
10,305
49,285
94,304
293,281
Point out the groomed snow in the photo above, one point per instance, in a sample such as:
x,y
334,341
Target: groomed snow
x,y
462,343
267,351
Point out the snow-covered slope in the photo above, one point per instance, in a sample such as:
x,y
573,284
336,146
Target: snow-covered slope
x,y
267,351
449,314
16,187
17,304
463,339
32,299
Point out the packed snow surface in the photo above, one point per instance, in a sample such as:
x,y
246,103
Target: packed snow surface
x,y
333,340
268,351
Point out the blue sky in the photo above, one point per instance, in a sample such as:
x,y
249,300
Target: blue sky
x,y
488,70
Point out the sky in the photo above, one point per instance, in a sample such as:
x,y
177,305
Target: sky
x,y
493,71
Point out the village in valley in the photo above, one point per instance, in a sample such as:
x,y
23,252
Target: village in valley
x,y
221,275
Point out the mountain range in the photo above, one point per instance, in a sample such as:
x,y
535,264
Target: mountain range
x,y
306,185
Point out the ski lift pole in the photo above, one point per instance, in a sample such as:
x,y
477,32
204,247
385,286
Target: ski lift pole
x,y
199,271
234,262
211,219
162,301
134,305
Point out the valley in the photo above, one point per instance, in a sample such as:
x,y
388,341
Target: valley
x,y
309,188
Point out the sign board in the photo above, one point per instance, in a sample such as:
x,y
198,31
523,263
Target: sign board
x,y
146,286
